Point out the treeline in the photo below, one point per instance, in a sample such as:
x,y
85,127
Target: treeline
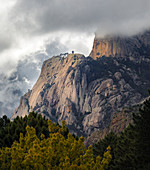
x,y
131,149
10,130
57,151
33,142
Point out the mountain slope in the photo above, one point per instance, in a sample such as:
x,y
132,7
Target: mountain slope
x,y
133,47
85,91
119,122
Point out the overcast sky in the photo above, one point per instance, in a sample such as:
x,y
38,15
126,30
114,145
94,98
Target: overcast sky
x,y
28,27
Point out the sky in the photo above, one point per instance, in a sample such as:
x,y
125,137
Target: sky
x,y
34,30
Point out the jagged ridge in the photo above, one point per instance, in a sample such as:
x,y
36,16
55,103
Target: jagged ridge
x,y
87,92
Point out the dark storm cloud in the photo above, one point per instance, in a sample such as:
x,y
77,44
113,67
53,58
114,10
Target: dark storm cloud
x,y
26,74
4,44
111,16
28,22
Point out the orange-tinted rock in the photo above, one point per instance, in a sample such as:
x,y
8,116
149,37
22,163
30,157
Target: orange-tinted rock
x,y
87,92
120,46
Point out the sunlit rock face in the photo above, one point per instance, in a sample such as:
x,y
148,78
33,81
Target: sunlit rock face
x,y
120,46
85,91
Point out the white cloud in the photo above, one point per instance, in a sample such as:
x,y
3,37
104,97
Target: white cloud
x,y
29,27
26,25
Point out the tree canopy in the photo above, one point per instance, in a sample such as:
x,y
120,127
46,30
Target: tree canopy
x,y
130,149
54,152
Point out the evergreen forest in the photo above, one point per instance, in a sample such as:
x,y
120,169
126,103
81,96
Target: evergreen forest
x,y
34,142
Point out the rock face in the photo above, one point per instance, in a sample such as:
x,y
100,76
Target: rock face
x,y
87,92
119,122
118,46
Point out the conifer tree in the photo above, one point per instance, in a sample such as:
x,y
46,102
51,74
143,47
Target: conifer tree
x,y
54,152
133,145
142,130
102,144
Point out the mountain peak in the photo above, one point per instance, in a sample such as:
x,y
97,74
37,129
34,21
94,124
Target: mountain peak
x,y
121,46
86,92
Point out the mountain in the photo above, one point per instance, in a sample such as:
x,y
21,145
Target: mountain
x,y
119,122
133,47
87,91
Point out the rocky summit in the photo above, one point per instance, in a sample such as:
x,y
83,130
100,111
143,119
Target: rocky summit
x,y
119,46
87,91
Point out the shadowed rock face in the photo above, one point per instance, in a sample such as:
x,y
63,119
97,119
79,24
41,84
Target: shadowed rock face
x,y
87,92
124,47
119,122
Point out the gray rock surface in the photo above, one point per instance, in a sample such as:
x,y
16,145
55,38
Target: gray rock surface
x,y
87,92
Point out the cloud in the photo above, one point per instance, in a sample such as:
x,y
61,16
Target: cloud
x,y
15,85
39,17
32,30
26,24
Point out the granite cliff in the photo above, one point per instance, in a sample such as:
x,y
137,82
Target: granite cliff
x,y
87,91
120,46
120,120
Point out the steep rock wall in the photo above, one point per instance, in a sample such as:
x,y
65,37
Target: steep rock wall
x,y
86,91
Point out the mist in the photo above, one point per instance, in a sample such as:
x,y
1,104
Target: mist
x,y
27,27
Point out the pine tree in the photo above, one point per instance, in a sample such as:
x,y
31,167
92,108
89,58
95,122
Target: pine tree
x,y
124,151
102,144
106,158
142,130
133,145
55,152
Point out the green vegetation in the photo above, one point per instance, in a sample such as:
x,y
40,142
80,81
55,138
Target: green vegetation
x,y
100,147
54,152
33,142
130,150
10,131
